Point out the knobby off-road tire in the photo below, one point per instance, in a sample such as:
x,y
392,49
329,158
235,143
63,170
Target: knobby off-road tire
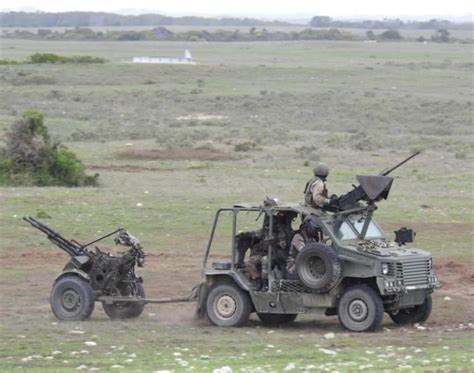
x,y
360,309
72,299
318,267
277,318
228,305
413,315
126,310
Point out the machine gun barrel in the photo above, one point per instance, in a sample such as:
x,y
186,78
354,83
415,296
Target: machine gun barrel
x,y
390,170
68,246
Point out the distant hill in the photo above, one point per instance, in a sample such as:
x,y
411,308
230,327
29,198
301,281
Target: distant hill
x,y
94,19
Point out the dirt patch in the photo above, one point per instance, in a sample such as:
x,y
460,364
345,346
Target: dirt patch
x,y
174,274
456,278
181,153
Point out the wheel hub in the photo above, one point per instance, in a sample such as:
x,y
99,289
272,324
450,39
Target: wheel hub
x,y
225,306
316,267
71,300
358,310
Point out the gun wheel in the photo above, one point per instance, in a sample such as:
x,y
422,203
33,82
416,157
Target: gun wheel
x,y
126,310
72,299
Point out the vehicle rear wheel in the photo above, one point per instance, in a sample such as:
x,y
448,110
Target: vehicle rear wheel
x,y
228,305
72,299
277,318
360,309
418,314
126,310
318,267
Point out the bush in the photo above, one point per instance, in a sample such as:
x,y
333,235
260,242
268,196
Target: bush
x,y
45,58
54,58
245,146
390,35
30,158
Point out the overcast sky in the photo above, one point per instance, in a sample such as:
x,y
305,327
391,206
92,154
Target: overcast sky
x,y
334,8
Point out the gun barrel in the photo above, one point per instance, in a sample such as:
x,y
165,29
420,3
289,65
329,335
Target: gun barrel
x,y
61,242
385,173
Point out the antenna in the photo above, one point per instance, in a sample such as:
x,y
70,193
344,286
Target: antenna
x,y
260,187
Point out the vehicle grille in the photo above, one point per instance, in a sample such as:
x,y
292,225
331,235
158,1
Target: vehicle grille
x,y
413,273
289,286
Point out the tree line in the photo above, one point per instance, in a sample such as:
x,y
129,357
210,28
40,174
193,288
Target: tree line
x,y
97,19
393,24
253,34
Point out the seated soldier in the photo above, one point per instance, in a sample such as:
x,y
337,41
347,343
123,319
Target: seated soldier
x,y
309,232
282,234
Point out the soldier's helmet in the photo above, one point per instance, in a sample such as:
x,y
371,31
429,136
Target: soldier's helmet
x,y
311,224
321,169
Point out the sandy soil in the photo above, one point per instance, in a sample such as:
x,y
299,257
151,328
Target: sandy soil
x,y
26,290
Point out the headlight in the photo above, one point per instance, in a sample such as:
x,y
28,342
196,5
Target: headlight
x,y
384,268
430,264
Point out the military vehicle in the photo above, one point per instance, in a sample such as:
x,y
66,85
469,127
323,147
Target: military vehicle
x,y
354,271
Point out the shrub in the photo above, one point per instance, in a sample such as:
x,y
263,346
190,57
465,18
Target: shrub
x,y
54,58
45,58
31,158
245,146
391,35
9,62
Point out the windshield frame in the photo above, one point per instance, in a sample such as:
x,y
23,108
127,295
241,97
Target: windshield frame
x,y
350,223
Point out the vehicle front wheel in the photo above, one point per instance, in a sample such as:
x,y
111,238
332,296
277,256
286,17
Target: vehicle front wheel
x,y
277,318
360,309
126,310
228,305
72,299
418,314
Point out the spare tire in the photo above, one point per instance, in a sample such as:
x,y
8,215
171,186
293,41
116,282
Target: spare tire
x,y
318,267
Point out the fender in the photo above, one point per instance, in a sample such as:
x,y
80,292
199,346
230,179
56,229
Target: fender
x,y
231,275
73,272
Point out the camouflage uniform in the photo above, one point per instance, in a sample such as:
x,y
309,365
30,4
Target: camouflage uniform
x,y
282,234
300,239
257,252
316,193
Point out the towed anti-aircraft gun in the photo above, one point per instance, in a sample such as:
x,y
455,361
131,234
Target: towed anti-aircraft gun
x,y
90,275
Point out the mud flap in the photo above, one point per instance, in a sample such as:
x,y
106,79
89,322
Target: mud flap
x,y
201,293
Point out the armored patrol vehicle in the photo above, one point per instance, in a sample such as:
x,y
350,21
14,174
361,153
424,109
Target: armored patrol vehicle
x,y
354,271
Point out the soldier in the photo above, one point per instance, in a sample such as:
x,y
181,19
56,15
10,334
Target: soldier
x,y
315,192
256,264
309,232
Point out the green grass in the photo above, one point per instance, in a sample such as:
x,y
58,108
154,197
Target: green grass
x,y
300,103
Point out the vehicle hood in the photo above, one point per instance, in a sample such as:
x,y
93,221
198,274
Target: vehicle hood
x,y
386,249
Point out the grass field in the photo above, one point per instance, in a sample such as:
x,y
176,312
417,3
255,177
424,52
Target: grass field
x,y
270,111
